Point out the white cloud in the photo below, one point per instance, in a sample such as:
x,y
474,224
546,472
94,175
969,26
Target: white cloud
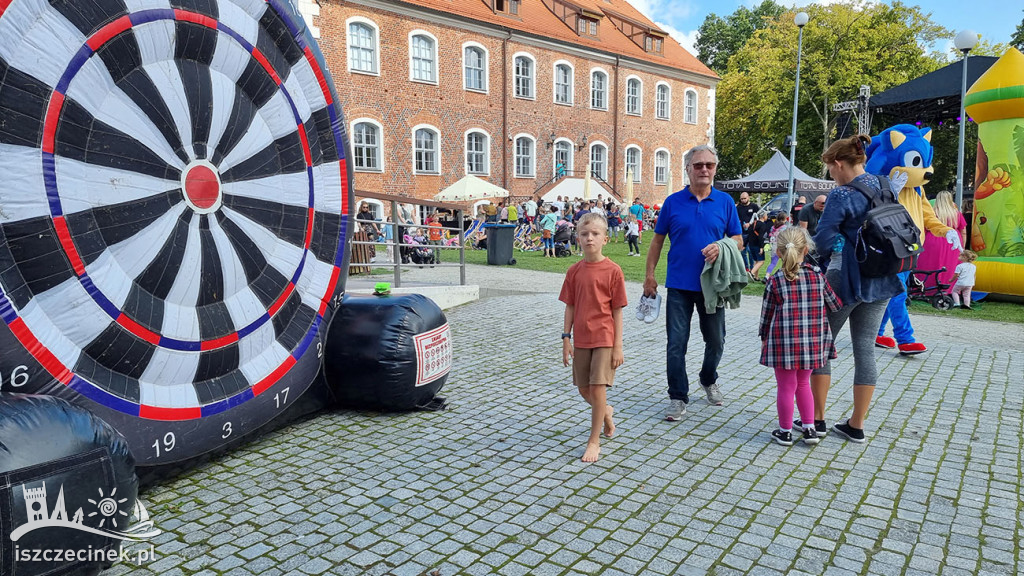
x,y
670,10
687,39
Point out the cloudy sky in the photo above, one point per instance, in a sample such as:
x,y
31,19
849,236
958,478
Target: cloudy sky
x,y
990,18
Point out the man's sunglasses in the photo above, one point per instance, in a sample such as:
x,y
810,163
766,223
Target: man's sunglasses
x,y
703,165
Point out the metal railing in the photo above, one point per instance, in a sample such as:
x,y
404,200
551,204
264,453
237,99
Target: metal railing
x,y
403,252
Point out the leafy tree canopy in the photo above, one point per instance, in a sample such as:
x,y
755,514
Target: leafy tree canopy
x,y
1018,37
845,45
719,38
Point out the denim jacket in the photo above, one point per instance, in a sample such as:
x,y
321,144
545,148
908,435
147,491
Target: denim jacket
x,y
844,214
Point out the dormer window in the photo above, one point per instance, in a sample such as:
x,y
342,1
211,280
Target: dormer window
x,y
586,26
582,20
504,6
652,40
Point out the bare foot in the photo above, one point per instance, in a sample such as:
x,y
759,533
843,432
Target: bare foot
x,y
609,424
592,452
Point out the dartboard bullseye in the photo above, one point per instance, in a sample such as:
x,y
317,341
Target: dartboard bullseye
x,y
175,210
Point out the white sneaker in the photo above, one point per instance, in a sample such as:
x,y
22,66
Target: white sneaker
x,y
676,409
643,308
653,308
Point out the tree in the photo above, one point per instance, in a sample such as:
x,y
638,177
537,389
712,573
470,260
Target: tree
x,y
1018,37
845,45
718,39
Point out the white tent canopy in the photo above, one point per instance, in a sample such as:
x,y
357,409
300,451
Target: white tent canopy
x,y
470,188
572,189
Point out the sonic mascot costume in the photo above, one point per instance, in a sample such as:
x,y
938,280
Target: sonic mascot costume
x,y
905,152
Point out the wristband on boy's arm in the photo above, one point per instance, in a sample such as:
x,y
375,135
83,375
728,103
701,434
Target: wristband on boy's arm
x,y
566,335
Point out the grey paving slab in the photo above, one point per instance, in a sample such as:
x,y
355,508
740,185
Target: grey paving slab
x,y
494,485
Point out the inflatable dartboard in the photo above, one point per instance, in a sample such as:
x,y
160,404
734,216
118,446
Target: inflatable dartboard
x,y
175,210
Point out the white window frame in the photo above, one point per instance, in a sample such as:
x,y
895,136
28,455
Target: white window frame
x,y
668,101
554,156
376,45
639,98
637,174
515,156
437,150
533,75
604,90
380,143
376,207
590,156
554,82
412,68
487,152
686,107
668,166
487,67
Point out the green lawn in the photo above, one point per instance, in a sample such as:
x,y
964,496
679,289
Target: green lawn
x,y
634,269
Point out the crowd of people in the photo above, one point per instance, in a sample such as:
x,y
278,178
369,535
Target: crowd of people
x,y
814,288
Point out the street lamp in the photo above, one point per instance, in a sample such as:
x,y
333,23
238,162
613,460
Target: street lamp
x,y
964,42
800,20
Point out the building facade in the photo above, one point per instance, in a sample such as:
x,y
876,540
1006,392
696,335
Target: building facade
x,y
513,91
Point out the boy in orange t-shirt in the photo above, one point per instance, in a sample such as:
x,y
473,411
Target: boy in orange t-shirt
x,y
434,235
594,292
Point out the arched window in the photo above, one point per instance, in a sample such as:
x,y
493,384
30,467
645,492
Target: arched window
x,y
563,160
475,68
426,150
525,147
478,153
422,57
524,76
599,161
563,83
599,90
634,96
366,146
661,164
690,108
633,162
362,47
663,101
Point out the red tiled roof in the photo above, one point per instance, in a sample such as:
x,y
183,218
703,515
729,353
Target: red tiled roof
x,y
535,18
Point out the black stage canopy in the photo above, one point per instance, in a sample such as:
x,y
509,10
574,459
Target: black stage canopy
x,y
932,97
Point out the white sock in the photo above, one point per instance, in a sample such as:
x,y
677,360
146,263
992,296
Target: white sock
x,y
786,431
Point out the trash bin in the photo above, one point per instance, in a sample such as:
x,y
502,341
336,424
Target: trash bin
x,y
500,241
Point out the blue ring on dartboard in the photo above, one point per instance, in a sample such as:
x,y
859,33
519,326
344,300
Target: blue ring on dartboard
x,y
230,218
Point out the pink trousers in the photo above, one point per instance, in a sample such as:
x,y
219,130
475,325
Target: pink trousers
x,y
794,384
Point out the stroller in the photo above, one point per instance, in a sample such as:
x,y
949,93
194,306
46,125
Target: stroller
x,y
565,238
937,294
419,253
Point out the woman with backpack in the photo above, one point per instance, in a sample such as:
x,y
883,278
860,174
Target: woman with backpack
x,y
864,297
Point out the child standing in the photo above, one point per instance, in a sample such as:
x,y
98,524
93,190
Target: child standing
x,y
632,235
778,221
594,292
794,331
963,279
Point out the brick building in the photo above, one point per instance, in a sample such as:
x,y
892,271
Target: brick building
x,y
512,91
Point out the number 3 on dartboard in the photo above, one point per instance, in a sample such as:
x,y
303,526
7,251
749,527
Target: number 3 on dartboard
x,y
168,444
281,397
226,429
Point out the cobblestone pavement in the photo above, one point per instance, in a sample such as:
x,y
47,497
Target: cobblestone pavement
x,y
494,485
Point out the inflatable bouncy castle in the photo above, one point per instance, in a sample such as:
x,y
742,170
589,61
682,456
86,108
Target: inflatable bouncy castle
x,y
996,102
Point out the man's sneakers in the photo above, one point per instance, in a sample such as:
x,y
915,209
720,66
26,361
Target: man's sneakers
x,y
714,394
648,308
819,427
676,409
912,348
849,432
886,342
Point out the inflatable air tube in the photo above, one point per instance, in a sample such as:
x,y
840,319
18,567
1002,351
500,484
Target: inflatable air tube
x,y
67,482
388,353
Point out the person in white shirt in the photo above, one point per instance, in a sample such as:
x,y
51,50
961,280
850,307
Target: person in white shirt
x,y
963,279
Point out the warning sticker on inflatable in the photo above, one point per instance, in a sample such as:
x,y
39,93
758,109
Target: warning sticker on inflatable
x,y
433,354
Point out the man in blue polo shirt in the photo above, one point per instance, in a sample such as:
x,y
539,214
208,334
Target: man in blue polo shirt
x,y
694,219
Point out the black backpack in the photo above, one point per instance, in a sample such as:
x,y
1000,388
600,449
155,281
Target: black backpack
x,y
888,242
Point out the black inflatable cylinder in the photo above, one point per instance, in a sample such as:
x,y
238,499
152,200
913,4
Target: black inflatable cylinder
x,y
388,353
64,474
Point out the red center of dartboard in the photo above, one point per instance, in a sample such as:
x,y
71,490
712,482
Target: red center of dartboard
x,y
201,186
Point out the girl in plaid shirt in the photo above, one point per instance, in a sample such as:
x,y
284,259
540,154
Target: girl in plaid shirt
x,y
794,331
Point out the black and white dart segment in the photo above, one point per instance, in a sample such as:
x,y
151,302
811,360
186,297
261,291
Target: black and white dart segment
x,y
174,200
